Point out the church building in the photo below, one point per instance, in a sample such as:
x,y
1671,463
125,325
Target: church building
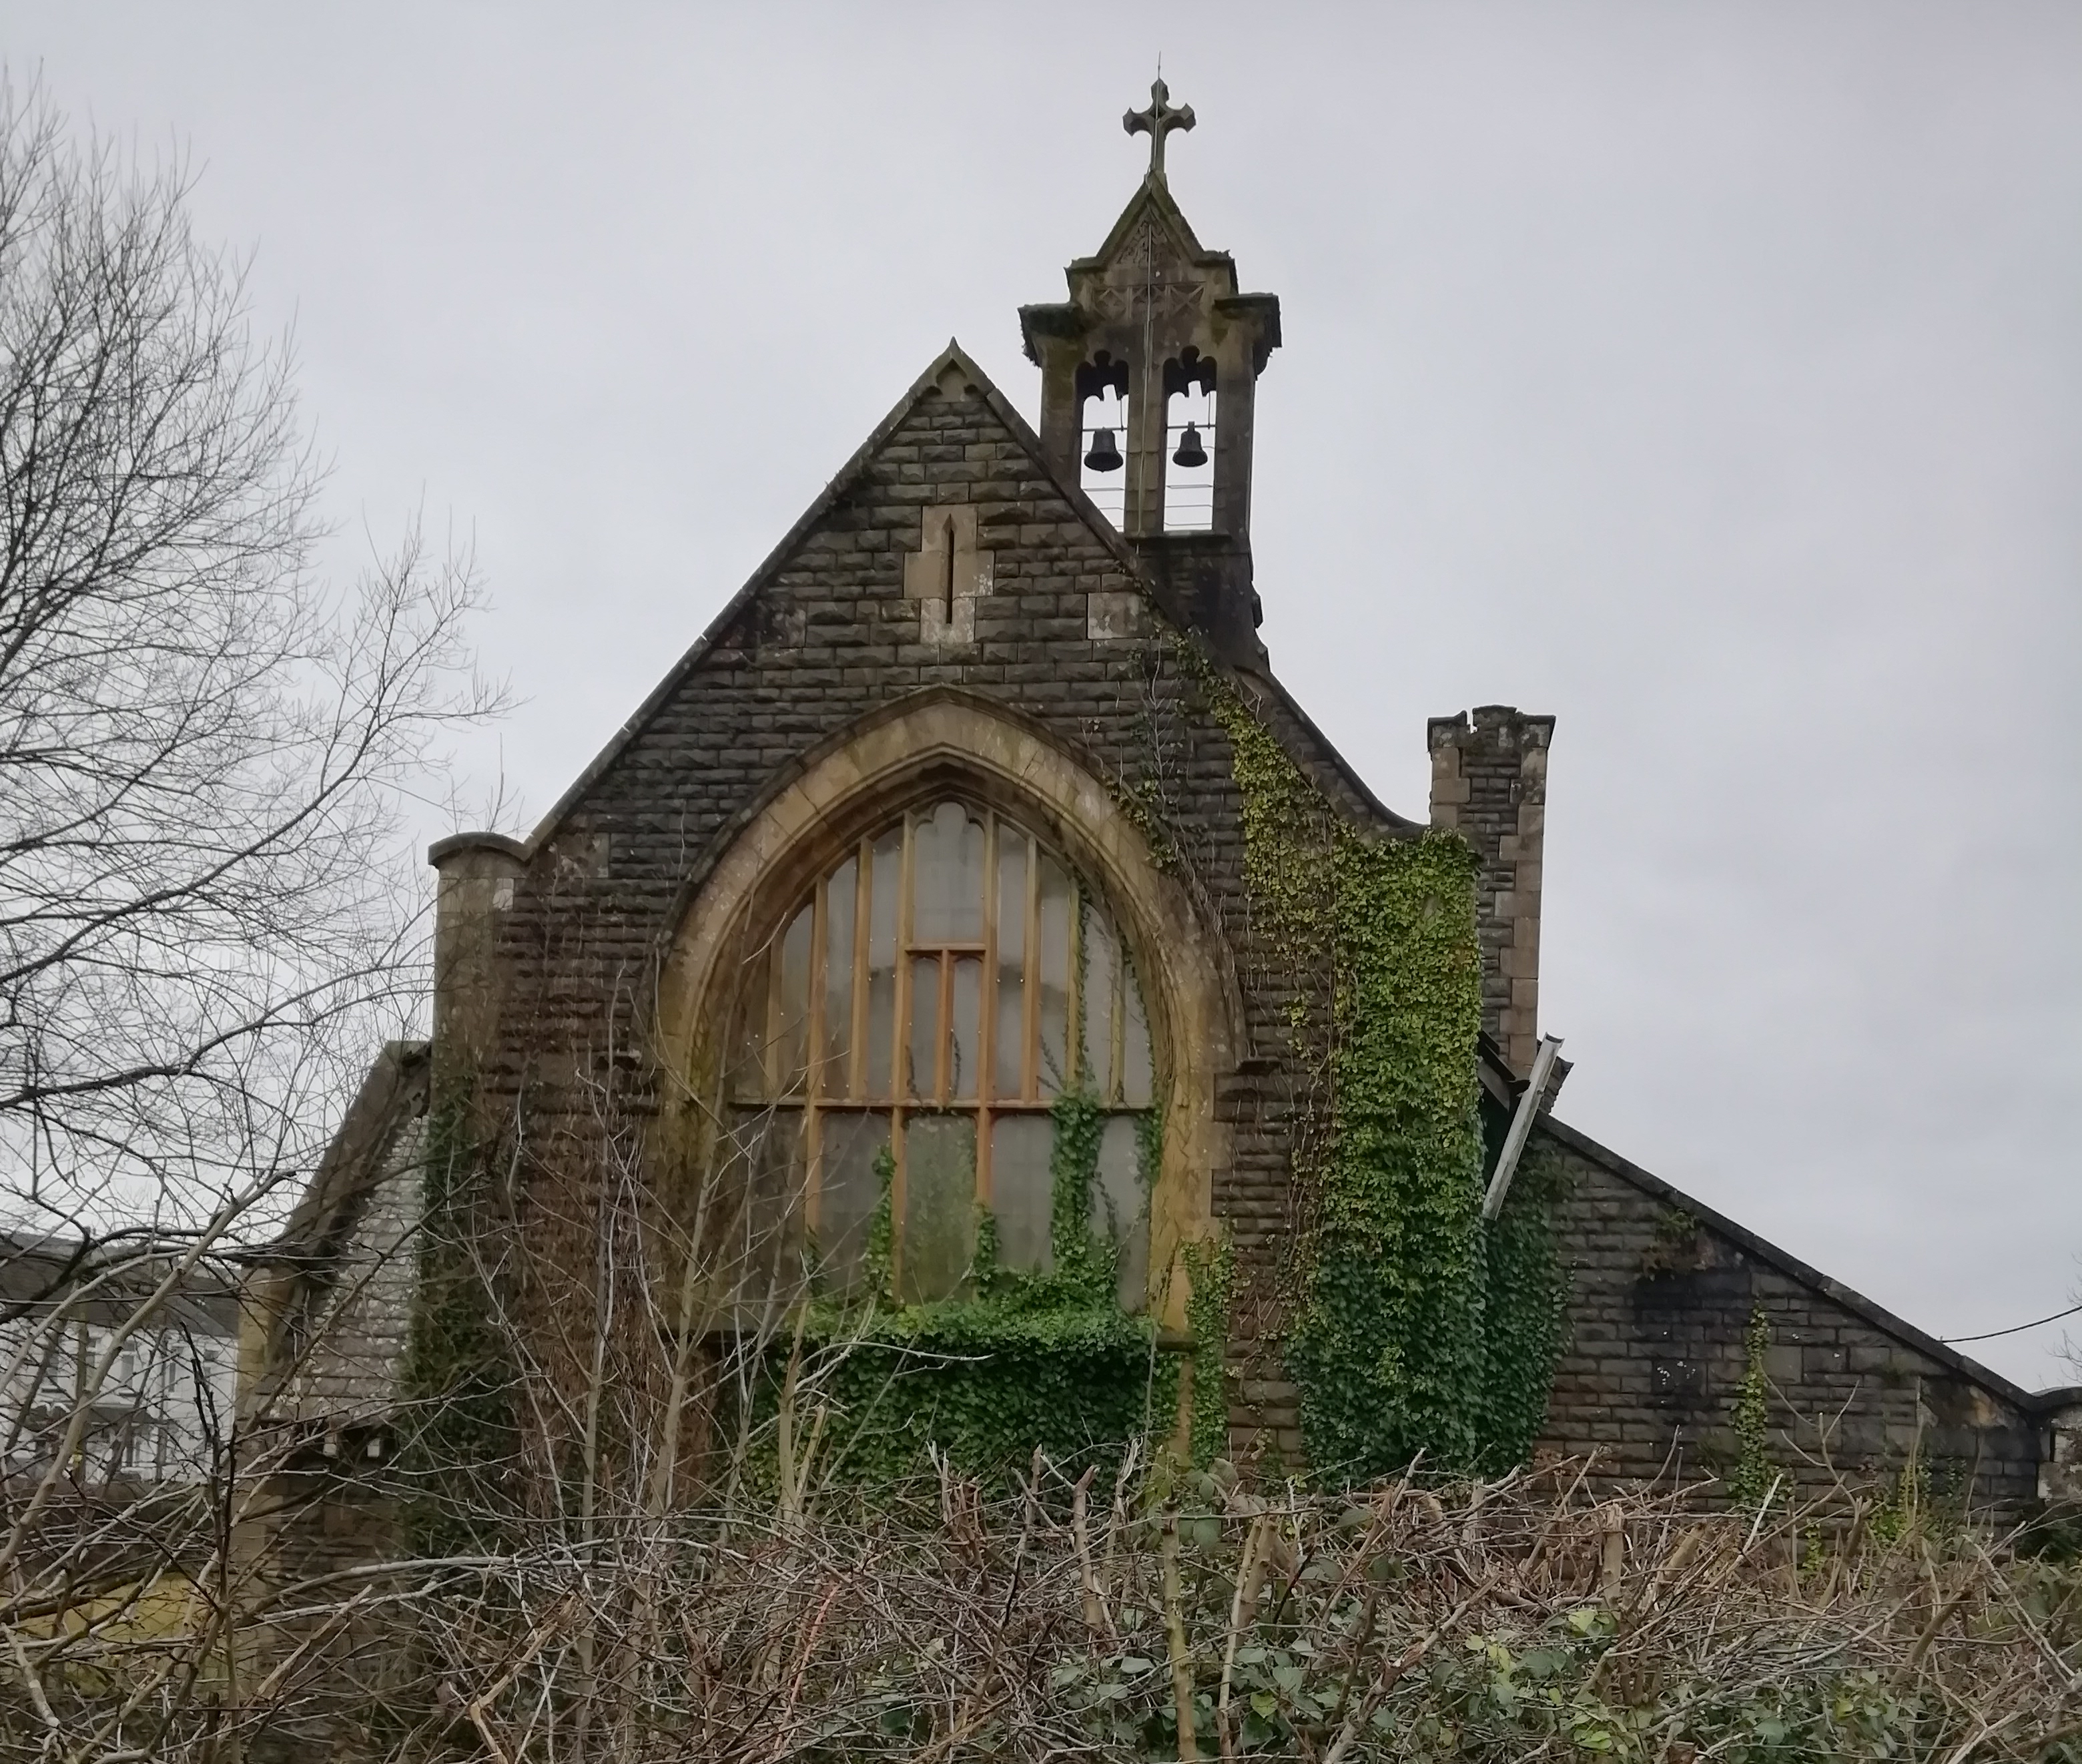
x,y
970,1004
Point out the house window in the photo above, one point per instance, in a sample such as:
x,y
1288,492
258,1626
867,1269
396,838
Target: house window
x,y
937,991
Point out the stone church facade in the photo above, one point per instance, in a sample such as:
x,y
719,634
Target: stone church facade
x,y
940,818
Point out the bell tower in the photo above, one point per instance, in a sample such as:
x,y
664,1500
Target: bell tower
x,y
1148,377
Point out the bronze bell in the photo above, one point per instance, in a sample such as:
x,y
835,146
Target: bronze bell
x,y
1104,456
1191,452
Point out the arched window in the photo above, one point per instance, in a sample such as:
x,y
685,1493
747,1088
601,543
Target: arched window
x,y
947,979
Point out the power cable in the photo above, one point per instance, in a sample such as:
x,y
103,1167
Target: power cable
x,y
2018,1329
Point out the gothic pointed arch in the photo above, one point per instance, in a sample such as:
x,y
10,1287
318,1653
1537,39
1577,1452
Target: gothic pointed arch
x,y
940,922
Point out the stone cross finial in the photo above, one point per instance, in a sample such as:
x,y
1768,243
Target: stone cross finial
x,y
1156,122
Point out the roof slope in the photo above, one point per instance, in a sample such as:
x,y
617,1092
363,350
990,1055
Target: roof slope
x,y
338,1290
1791,1266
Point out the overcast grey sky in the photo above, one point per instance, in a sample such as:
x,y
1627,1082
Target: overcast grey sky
x,y
1709,376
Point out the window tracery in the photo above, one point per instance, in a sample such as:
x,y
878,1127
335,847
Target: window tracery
x,y
935,992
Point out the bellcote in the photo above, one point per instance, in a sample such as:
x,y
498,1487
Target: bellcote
x,y
1148,377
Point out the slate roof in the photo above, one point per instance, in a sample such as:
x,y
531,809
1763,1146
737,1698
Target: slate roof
x,y
1822,1285
339,1307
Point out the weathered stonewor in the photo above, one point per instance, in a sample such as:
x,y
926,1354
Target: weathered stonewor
x,y
1662,1291
567,941
954,585
1489,782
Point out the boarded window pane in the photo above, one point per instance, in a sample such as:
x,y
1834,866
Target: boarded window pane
x,y
969,883
835,1055
939,1204
748,1073
1120,1210
850,1194
882,895
1096,1003
1010,1047
965,1050
1019,1189
1138,1069
794,1038
1011,893
929,883
1009,1033
758,1240
947,879
923,1047
1055,976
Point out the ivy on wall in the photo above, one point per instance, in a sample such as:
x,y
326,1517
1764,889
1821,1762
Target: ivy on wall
x,y
1751,1476
1016,1360
1210,1268
458,1380
1085,1262
1524,1304
1416,1328
985,1380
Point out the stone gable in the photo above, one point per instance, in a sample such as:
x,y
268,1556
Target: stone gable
x,y
1051,623
954,563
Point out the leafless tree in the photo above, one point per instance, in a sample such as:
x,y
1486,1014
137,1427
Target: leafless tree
x,y
207,914
1161,1613
201,749
202,753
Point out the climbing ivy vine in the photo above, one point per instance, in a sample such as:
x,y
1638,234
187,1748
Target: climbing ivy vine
x,y
1211,1269
457,1379
1524,1293
1085,1262
1752,1475
1417,1329
1016,1360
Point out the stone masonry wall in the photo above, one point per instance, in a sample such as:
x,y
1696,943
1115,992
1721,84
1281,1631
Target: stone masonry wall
x,y
1488,781
1660,1296
1042,614
323,1517
1051,624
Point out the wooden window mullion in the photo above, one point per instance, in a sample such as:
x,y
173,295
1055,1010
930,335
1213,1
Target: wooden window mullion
x,y
856,1085
1116,1060
899,1050
943,1039
1073,1033
1030,1057
987,1011
899,1058
813,1078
